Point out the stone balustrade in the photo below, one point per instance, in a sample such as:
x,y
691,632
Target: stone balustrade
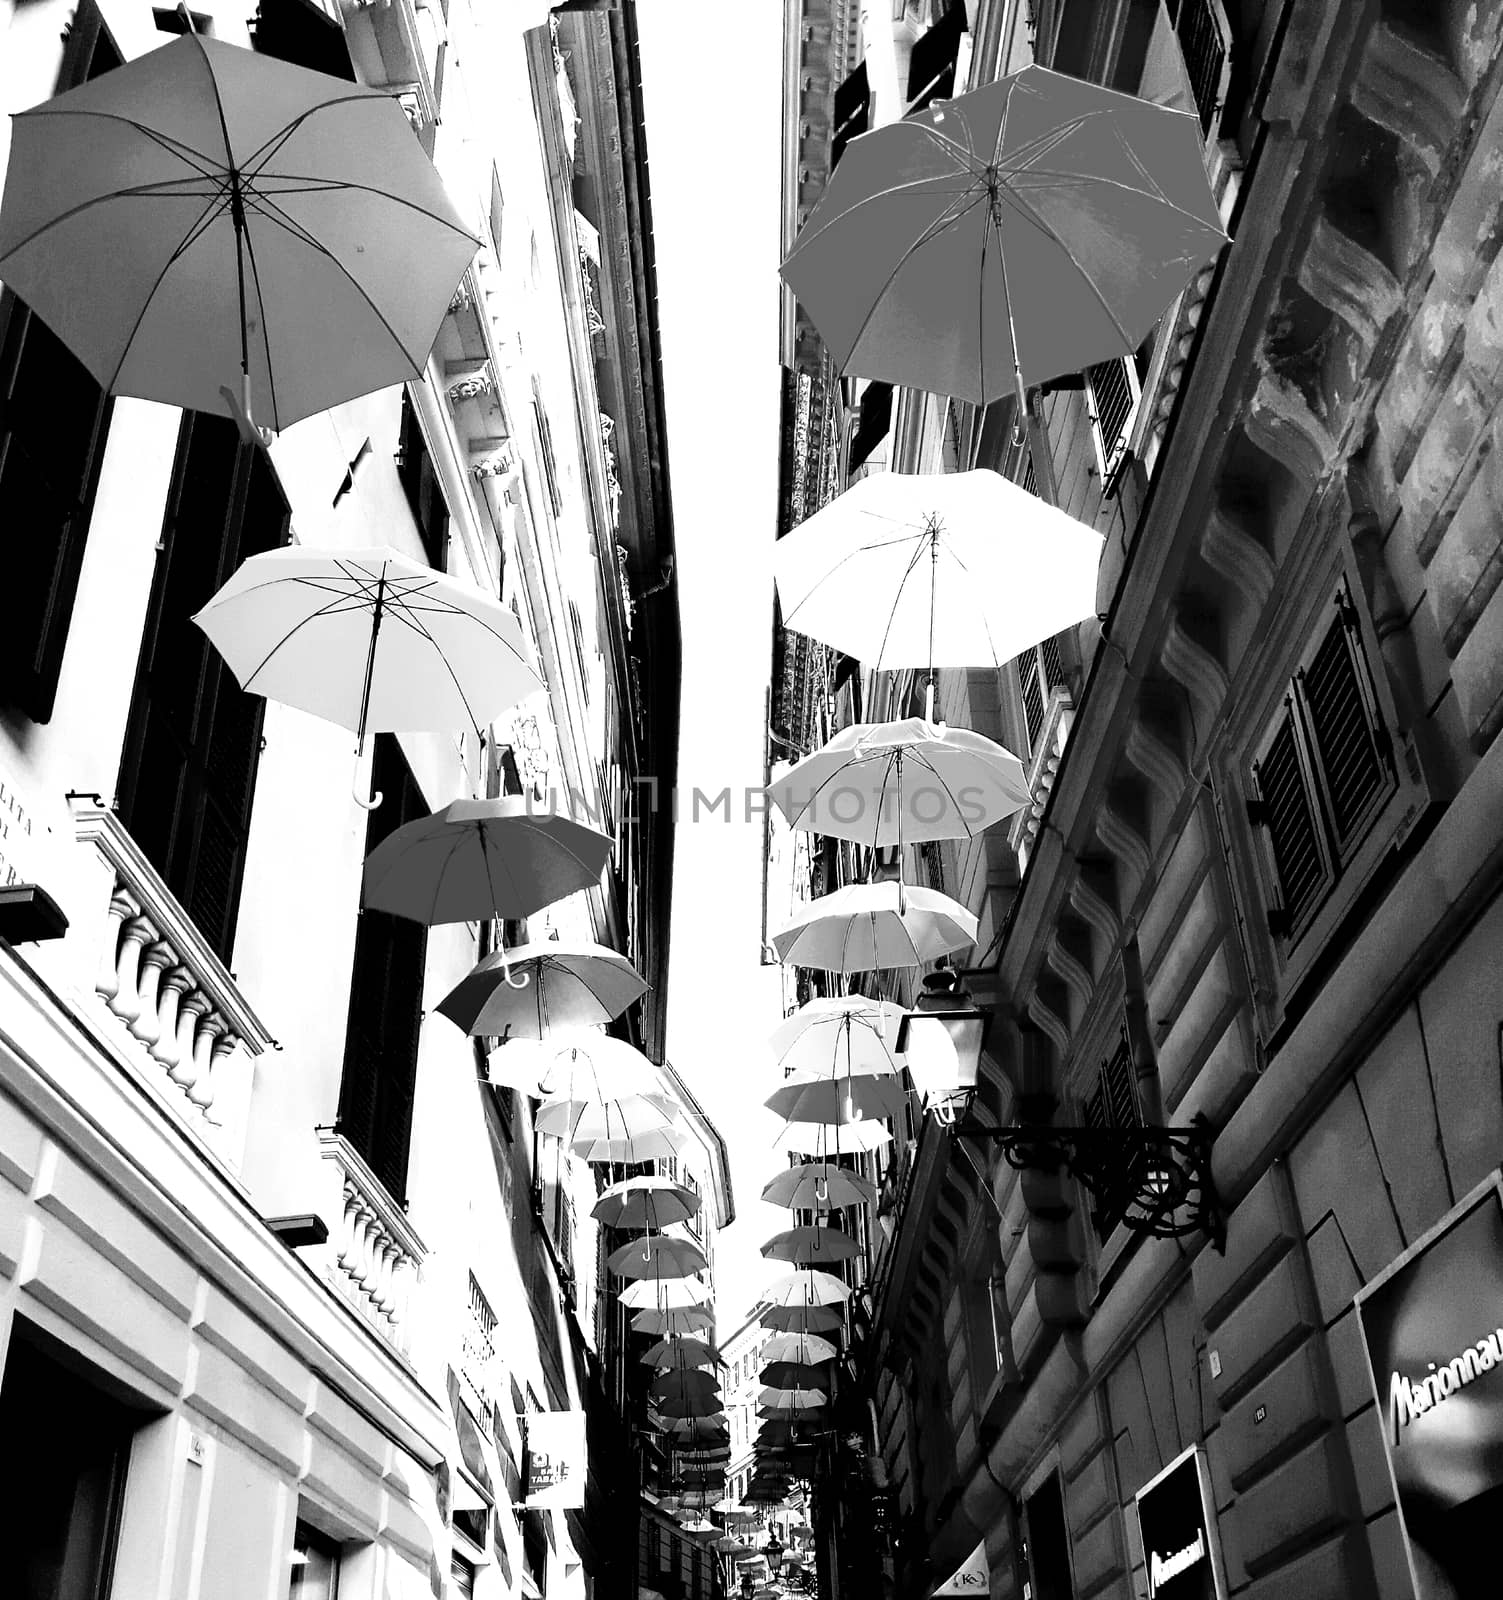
x,y
181,1015
374,1255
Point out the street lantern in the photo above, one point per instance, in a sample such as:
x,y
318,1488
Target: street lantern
x,y
942,1040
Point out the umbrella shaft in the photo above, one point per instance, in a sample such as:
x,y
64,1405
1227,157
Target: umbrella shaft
x,y
237,217
370,662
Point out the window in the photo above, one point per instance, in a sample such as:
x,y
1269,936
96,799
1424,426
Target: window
x,y
1112,391
315,1566
193,738
53,422
1202,42
1113,1104
463,1574
386,999
1046,1543
852,112
425,494
1040,672
62,1509
297,31
1322,772
931,65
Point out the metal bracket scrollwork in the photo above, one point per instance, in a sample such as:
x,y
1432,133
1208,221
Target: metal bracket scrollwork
x,y
1155,1181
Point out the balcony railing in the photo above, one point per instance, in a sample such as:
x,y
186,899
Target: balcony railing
x,y
179,1015
374,1257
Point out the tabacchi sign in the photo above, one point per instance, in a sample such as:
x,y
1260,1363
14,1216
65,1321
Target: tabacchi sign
x,y
1178,1526
1432,1326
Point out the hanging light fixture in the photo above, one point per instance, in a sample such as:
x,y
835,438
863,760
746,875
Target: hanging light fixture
x,y
942,1040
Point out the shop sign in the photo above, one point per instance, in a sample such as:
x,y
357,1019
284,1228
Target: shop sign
x,y
972,1577
1432,1326
1178,1524
556,1460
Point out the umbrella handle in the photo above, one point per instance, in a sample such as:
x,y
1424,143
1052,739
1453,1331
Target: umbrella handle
x,y
519,980
355,794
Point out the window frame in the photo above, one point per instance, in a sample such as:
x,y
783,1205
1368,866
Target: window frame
x,y
1109,460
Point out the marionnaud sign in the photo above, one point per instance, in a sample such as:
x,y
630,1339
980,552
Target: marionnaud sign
x,y
1179,1532
1432,1325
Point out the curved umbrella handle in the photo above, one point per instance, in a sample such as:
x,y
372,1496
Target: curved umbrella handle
x,y
518,980
355,794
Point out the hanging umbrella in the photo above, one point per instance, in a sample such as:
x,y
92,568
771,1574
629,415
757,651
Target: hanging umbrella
x,y
651,1145
684,1406
847,1035
681,1353
780,1402
888,783
624,1116
205,223
793,1375
576,985
369,639
809,1246
846,1138
576,1066
670,1321
658,1256
683,1385
478,860
1030,228
664,1294
837,1101
725,1545
647,1202
707,1430
801,1347
806,1288
801,1319
959,569
819,1185
869,925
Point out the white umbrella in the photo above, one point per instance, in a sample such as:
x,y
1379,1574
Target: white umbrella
x,y
651,1145
846,1036
665,1294
885,783
868,925
806,1348
588,1120
774,1402
371,640
806,1288
960,569
579,1066
819,1185
843,1139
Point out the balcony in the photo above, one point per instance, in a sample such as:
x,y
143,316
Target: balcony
x,y
176,1016
373,1260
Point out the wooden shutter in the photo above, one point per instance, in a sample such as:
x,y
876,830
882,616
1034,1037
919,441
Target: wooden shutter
x,y
1286,807
53,421
193,736
425,494
386,999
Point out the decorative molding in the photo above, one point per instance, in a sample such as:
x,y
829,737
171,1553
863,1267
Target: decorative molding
x,y
1048,1021
1232,551
1126,844
1280,422
1349,281
1065,964
1089,891
471,380
1156,760
1190,663
1412,93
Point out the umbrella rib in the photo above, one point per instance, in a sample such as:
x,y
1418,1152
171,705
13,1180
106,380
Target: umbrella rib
x,y
927,185
950,794
146,191
892,615
172,146
316,183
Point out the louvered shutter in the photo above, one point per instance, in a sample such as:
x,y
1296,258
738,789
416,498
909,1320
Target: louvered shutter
x,y
1288,812
386,999
1349,742
425,495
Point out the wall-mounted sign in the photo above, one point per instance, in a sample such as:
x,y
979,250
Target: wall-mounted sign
x,y
973,1577
1177,1519
556,1460
1432,1325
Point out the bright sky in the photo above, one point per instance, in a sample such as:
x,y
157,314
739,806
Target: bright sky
x,y
712,89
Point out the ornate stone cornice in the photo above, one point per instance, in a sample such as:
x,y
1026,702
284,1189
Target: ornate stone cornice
x,y
1349,281
1411,92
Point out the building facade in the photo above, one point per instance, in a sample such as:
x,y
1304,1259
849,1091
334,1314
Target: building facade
x,y
1259,881
294,1271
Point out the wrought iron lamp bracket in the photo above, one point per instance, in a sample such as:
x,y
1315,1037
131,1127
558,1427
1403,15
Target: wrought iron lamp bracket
x,y
1156,1180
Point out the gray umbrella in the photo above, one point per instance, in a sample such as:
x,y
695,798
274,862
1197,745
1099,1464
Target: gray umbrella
x,y
479,859
574,986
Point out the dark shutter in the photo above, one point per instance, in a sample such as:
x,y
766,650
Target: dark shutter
x,y
1286,809
297,31
876,419
1112,401
931,65
1349,742
53,422
193,737
1204,51
425,494
386,998
852,112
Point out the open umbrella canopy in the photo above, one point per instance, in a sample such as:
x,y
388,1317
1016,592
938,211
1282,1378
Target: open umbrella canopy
x,y
371,640
671,1321
569,985
683,1406
684,1385
868,925
649,1145
725,1545
905,782
681,1352
804,1348
839,1100
690,1433
706,1414
574,1066
1032,227
658,1256
823,1140
819,1186
801,1319
664,1294
811,1246
586,1120
205,223
645,1202
476,860
848,1036
806,1288
928,570
782,1402
793,1375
